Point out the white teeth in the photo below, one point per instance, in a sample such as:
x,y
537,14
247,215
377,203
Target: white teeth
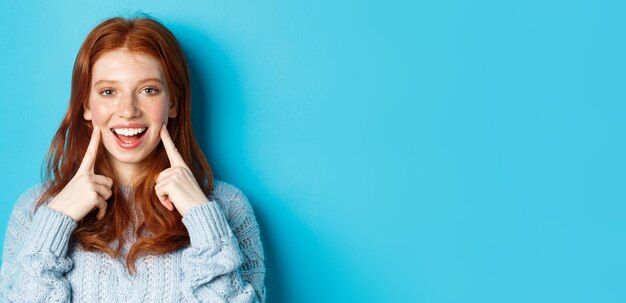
x,y
129,131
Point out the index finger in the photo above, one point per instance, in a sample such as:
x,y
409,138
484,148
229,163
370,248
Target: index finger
x,y
92,150
170,149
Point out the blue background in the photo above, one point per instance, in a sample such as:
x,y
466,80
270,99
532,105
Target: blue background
x,y
416,151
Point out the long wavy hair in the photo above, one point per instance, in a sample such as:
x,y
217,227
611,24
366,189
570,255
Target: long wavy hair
x,y
158,231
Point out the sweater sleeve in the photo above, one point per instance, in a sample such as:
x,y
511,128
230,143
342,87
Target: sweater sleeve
x,y
223,264
35,259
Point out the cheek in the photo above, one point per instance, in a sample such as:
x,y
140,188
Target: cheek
x,y
158,113
100,114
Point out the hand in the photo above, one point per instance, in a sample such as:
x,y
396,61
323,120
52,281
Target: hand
x,y
176,186
86,190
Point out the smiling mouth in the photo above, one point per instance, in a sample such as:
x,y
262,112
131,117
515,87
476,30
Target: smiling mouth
x,y
129,135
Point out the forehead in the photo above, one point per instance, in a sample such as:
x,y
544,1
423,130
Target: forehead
x,y
124,65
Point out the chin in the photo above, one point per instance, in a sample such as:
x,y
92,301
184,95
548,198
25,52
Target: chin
x,y
126,159
135,156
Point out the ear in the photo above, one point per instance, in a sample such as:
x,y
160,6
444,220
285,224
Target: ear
x,y
86,113
172,111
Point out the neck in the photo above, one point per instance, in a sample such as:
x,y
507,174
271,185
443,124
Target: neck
x,y
124,172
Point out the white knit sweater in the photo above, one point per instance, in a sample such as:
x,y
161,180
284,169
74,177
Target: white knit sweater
x,y
223,263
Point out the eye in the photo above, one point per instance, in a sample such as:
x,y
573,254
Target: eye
x,y
150,91
106,92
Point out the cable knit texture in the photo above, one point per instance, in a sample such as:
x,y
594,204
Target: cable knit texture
x,y
223,263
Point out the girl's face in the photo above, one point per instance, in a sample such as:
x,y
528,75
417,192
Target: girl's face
x,y
129,102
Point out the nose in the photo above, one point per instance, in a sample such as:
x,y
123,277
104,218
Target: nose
x,y
127,107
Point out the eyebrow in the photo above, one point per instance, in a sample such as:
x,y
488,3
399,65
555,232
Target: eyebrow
x,y
140,82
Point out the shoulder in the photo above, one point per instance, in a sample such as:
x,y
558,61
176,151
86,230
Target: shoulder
x,y
224,190
24,207
231,199
28,198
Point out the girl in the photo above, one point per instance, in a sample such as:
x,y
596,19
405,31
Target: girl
x,y
129,210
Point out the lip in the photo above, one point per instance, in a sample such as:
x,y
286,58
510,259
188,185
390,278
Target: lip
x,y
137,142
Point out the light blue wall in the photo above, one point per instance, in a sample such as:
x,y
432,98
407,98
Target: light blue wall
x,y
439,151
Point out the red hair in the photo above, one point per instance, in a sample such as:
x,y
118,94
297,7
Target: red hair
x,y
158,231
